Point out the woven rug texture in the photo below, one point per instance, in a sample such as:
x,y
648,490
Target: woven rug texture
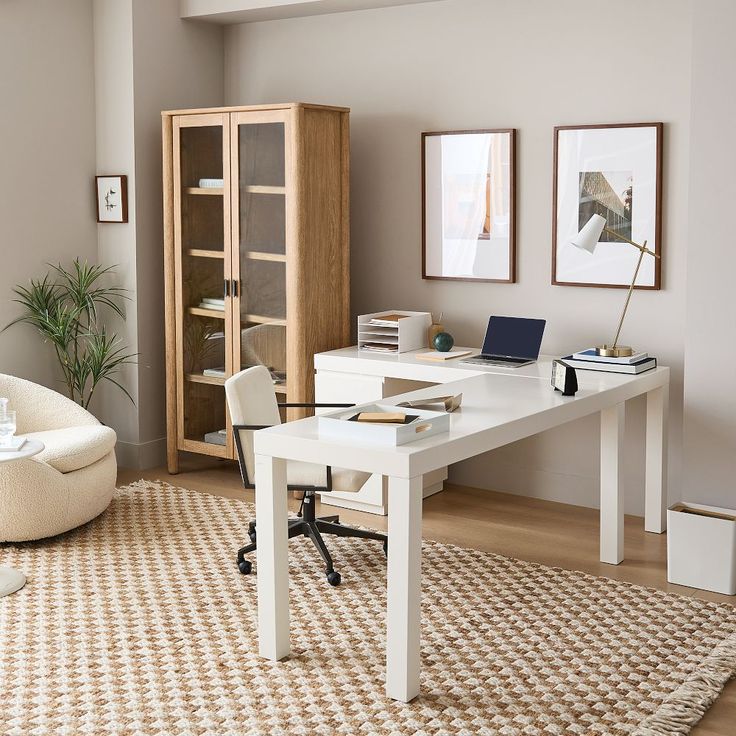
x,y
140,623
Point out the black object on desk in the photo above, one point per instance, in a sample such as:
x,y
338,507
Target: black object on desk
x,y
564,378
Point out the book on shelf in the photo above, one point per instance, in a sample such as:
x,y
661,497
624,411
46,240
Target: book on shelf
x,y
590,354
436,355
211,183
213,304
611,367
216,438
214,372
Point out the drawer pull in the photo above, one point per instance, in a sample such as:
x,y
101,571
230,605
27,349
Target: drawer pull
x,y
423,428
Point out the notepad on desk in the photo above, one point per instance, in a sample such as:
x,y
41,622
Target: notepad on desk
x,y
448,355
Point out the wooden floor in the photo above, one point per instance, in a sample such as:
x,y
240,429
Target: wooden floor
x,y
549,533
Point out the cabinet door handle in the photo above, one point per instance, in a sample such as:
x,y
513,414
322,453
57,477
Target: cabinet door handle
x,y
235,287
226,289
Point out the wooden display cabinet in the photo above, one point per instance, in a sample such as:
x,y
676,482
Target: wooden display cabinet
x,y
255,216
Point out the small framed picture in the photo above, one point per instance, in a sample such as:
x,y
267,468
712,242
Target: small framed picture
x,y
468,205
112,198
614,171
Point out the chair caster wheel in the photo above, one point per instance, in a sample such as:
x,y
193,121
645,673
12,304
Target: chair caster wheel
x,y
333,578
245,566
385,548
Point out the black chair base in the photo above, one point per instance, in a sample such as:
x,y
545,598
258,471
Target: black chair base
x,y
310,526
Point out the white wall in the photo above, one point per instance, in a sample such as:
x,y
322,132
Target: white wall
x,y
177,65
710,372
146,60
496,63
47,159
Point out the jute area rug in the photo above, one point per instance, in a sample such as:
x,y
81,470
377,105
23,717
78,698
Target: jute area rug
x,y
139,623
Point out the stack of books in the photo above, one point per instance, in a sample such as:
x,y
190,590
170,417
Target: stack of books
x,y
589,360
215,303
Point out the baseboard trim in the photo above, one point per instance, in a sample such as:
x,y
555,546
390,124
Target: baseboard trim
x,y
141,456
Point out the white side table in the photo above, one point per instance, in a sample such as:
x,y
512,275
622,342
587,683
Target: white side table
x,y
10,579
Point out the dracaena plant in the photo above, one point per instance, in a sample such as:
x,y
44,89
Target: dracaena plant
x,y
66,307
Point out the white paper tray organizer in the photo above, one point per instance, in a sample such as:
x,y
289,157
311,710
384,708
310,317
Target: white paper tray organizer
x,y
392,332
336,426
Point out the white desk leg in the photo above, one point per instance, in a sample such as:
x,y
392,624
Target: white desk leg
x,y
612,486
273,557
655,493
403,613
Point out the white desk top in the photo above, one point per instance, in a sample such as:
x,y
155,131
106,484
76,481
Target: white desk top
x,y
497,409
407,365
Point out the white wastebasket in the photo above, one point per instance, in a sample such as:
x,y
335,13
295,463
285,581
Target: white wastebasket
x,y
701,547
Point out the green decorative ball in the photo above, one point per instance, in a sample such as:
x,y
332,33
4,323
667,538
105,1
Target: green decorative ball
x,y
443,342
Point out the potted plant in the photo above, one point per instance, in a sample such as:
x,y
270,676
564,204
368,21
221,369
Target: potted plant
x,y
64,306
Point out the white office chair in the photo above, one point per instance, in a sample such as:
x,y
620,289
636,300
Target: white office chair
x,y
252,403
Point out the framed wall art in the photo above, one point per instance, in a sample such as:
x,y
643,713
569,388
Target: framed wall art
x,y
112,198
468,205
614,171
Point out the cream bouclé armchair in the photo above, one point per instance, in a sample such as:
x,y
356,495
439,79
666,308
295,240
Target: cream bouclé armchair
x,y
70,482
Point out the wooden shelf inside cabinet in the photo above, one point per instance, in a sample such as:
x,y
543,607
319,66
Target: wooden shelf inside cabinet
x,y
263,189
259,319
204,253
200,312
201,378
255,255
205,191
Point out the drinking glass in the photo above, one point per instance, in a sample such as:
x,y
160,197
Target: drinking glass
x,y
7,428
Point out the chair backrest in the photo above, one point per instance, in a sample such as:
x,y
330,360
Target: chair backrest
x,y
251,400
39,408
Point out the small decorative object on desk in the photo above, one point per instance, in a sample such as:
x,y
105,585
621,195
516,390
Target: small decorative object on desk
x,y
434,329
443,342
7,427
564,378
448,403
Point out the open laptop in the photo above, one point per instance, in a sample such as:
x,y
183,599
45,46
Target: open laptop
x,y
510,342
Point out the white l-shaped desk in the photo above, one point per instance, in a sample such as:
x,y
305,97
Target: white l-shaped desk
x,y
497,409
349,375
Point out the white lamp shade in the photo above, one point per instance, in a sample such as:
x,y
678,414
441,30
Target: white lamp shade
x,y
588,237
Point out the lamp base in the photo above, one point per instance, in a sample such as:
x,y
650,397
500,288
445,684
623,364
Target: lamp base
x,y
608,351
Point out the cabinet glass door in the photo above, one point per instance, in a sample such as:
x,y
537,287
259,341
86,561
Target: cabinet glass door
x,y
259,240
203,261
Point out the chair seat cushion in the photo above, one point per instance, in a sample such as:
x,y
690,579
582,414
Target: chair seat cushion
x,y
311,474
348,481
73,448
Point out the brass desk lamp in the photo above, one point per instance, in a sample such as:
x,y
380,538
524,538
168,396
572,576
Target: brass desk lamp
x,y
587,239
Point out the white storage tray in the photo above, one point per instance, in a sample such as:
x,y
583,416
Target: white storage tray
x,y
335,426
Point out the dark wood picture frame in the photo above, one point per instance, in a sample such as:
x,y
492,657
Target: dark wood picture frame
x,y
123,197
659,127
512,205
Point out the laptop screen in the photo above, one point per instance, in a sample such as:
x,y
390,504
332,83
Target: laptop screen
x,y
514,337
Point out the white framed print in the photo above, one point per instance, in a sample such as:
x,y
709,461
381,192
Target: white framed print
x,y
112,198
614,171
468,205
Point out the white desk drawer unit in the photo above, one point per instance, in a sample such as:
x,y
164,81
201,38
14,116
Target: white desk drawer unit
x,y
337,387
